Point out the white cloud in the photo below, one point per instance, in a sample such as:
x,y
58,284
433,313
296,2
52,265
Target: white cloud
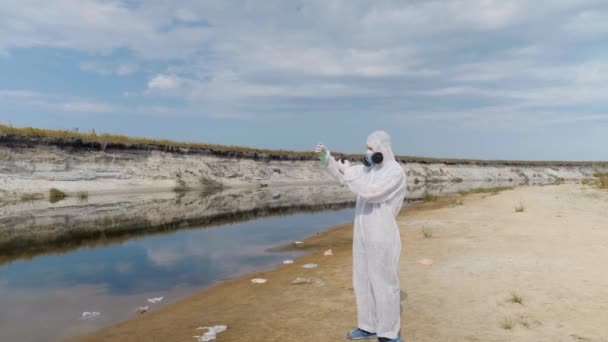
x,y
164,82
101,68
588,23
242,59
89,106
157,111
20,94
96,26
56,102
186,15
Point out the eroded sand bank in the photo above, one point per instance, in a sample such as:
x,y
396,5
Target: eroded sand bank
x,y
552,255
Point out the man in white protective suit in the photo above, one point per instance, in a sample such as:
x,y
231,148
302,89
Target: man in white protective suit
x,y
380,187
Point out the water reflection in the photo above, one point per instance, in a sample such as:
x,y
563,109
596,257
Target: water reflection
x,y
28,229
51,291
33,228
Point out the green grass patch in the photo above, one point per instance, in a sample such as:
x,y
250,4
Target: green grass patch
x,y
31,197
493,191
516,298
93,136
507,324
426,197
56,195
83,195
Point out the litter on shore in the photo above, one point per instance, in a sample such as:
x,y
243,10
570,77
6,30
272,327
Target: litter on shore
x,y
89,315
258,281
300,281
425,262
211,333
155,300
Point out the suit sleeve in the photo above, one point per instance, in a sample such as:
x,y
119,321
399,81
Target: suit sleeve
x,y
332,169
379,191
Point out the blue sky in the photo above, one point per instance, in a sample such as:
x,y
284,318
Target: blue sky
x,y
471,79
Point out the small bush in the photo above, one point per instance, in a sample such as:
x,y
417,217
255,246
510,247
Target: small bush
x,y
602,180
426,197
57,195
507,324
516,299
83,196
585,181
493,191
427,233
520,208
457,180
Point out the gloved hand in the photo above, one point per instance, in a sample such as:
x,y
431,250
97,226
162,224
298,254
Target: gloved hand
x,y
325,155
343,165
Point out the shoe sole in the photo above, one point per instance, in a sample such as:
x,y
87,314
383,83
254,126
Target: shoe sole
x,y
362,338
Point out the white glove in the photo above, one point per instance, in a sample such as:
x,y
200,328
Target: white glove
x,y
343,166
321,148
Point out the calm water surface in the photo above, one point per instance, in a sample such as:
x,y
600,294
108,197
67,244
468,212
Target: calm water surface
x,y
42,299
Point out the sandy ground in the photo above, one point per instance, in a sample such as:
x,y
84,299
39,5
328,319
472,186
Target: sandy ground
x,y
553,256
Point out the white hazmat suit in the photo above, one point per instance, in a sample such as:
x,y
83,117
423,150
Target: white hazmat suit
x,y
380,193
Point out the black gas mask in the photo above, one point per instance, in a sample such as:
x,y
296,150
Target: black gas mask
x,y
371,159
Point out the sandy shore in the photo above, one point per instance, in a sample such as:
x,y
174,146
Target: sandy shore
x,y
486,256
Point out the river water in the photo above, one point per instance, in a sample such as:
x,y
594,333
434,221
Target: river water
x,y
42,299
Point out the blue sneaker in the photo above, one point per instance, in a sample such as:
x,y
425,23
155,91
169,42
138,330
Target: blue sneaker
x,y
398,339
358,334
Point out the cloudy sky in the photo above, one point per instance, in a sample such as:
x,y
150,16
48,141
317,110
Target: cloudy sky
x,y
472,79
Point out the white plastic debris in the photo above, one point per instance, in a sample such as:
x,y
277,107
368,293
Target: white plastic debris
x,y
155,300
300,281
211,333
310,266
143,309
258,281
288,261
298,242
425,262
328,252
89,315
